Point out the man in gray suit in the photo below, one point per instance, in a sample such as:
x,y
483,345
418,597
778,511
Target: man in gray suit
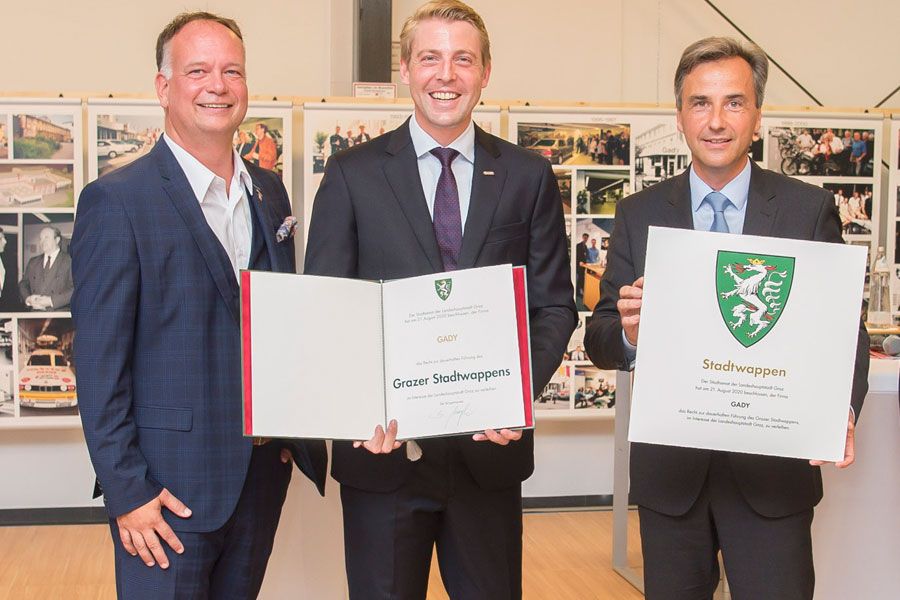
x,y
692,503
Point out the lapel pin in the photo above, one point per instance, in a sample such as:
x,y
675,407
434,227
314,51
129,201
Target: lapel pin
x,y
487,172
259,194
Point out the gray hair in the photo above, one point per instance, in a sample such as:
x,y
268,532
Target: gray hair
x,y
719,48
163,42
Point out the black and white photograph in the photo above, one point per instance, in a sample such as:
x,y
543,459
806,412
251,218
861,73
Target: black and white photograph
x,y
46,379
555,395
592,237
9,264
594,388
821,151
578,144
44,136
7,392
854,204
36,185
598,192
7,330
46,282
659,153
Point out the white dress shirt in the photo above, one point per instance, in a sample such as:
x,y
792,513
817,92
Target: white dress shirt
x,y
227,211
430,166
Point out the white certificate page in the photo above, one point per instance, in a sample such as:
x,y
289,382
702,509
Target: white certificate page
x,y
747,343
312,352
451,353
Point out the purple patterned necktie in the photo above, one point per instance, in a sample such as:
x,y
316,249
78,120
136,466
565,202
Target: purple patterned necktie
x,y
447,221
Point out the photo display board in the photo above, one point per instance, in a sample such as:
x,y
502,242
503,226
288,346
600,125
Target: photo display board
x,y
40,178
893,212
121,131
599,158
330,128
838,152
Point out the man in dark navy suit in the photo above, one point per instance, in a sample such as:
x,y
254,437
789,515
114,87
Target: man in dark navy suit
x,y
438,194
156,251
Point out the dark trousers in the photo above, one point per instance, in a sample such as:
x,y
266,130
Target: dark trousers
x,y
228,563
764,557
389,538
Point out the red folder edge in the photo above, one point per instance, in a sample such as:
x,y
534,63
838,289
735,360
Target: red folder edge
x,y
245,348
521,293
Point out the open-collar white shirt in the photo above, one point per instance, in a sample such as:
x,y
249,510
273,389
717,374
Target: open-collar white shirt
x,y
227,210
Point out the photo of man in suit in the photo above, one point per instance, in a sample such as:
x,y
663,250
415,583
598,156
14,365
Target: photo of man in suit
x,y
580,260
47,281
693,503
434,195
193,504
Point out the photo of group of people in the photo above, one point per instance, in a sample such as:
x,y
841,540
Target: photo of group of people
x,y
854,203
40,177
822,151
260,141
602,144
838,154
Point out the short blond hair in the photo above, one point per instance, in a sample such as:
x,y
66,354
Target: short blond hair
x,y
445,10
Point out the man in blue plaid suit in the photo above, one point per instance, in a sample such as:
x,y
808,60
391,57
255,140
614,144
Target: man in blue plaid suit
x,y
156,251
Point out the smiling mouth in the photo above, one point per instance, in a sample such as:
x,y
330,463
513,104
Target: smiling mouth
x,y
215,105
444,96
718,141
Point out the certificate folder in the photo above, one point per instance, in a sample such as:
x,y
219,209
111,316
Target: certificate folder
x,y
331,358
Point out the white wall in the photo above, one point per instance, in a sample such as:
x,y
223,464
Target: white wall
x,y
109,45
627,50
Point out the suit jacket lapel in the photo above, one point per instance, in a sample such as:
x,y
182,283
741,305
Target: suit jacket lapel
x,y
179,191
263,237
487,185
402,173
676,212
761,206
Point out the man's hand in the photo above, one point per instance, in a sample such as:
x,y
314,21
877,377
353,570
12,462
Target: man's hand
x,y
285,455
629,306
383,441
502,437
849,451
139,528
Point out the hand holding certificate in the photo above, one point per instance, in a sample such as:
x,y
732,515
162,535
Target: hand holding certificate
x,y
719,365
439,354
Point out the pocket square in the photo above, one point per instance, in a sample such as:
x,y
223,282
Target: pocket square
x,y
286,229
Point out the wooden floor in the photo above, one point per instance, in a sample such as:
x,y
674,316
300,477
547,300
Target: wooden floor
x,y
566,556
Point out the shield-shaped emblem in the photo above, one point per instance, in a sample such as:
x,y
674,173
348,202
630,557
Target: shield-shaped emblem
x,y
752,290
443,287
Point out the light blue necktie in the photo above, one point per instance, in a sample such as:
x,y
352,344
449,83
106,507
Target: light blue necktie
x,y
718,201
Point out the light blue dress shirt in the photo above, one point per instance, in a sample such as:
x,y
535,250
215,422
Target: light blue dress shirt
x,y
737,190
430,167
